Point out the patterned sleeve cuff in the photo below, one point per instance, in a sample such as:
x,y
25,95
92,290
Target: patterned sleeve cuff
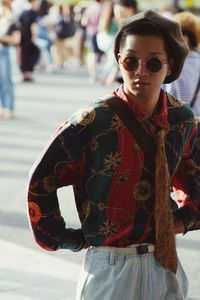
x,y
187,216
73,239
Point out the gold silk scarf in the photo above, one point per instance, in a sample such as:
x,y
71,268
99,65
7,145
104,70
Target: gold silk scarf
x,y
164,223
165,249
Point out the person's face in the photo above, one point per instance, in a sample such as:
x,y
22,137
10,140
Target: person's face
x,y
36,4
122,12
5,3
134,61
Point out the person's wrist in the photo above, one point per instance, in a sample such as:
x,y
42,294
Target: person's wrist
x,y
82,241
73,239
179,226
186,216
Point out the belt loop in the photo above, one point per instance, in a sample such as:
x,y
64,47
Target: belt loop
x,y
112,256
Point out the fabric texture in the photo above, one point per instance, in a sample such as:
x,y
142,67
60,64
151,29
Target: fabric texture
x,y
164,222
106,275
114,183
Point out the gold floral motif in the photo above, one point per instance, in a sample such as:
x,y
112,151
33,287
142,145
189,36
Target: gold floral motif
x,y
94,144
122,179
85,116
142,191
174,102
85,209
109,228
101,206
34,212
182,128
49,184
117,124
112,160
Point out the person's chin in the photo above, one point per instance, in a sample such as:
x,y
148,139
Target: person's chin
x,y
139,92
140,89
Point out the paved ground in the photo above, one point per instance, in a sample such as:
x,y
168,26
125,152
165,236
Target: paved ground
x,y
26,271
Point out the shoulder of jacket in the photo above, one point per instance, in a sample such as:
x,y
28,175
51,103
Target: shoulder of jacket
x,y
88,114
183,110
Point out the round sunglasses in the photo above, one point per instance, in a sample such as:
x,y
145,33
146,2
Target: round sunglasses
x,y
152,64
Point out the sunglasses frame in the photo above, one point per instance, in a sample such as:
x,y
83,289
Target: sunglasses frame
x,y
140,62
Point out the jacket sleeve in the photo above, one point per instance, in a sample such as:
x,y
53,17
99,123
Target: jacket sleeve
x,y
60,164
186,183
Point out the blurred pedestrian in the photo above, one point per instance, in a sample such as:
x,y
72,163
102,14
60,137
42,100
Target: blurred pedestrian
x,y
65,29
122,155
107,30
187,86
9,36
90,20
30,52
44,40
80,36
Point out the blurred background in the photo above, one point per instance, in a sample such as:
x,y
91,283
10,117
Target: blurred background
x,y
55,57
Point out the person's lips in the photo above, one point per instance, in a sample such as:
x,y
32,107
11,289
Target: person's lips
x,y
139,83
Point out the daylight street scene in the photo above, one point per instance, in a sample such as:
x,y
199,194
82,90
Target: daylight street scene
x,y
27,271
46,75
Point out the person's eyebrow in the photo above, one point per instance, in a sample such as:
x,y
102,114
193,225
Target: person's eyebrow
x,y
153,53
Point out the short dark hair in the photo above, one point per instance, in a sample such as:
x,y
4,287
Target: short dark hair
x,y
144,28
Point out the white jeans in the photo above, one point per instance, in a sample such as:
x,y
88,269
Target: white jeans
x,y
106,275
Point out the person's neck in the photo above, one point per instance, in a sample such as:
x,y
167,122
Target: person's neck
x,y
147,106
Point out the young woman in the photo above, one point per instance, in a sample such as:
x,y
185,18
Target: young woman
x,y
122,188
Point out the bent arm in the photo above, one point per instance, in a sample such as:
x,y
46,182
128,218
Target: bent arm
x,y
186,183
60,164
13,39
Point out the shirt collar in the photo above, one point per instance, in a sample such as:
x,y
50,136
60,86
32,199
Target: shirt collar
x,y
159,119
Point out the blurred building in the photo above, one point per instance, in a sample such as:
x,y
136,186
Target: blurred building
x,y
157,4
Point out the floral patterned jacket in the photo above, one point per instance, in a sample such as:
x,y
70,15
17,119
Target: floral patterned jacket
x,y
112,179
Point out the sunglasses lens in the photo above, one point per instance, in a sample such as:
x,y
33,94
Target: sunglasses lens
x,y
154,65
130,63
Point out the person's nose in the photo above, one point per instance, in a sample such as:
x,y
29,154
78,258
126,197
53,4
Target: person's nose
x,y
141,69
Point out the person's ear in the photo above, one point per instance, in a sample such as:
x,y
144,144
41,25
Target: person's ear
x,y
118,57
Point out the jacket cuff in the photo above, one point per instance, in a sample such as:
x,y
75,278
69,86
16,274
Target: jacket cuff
x,y
73,239
187,216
